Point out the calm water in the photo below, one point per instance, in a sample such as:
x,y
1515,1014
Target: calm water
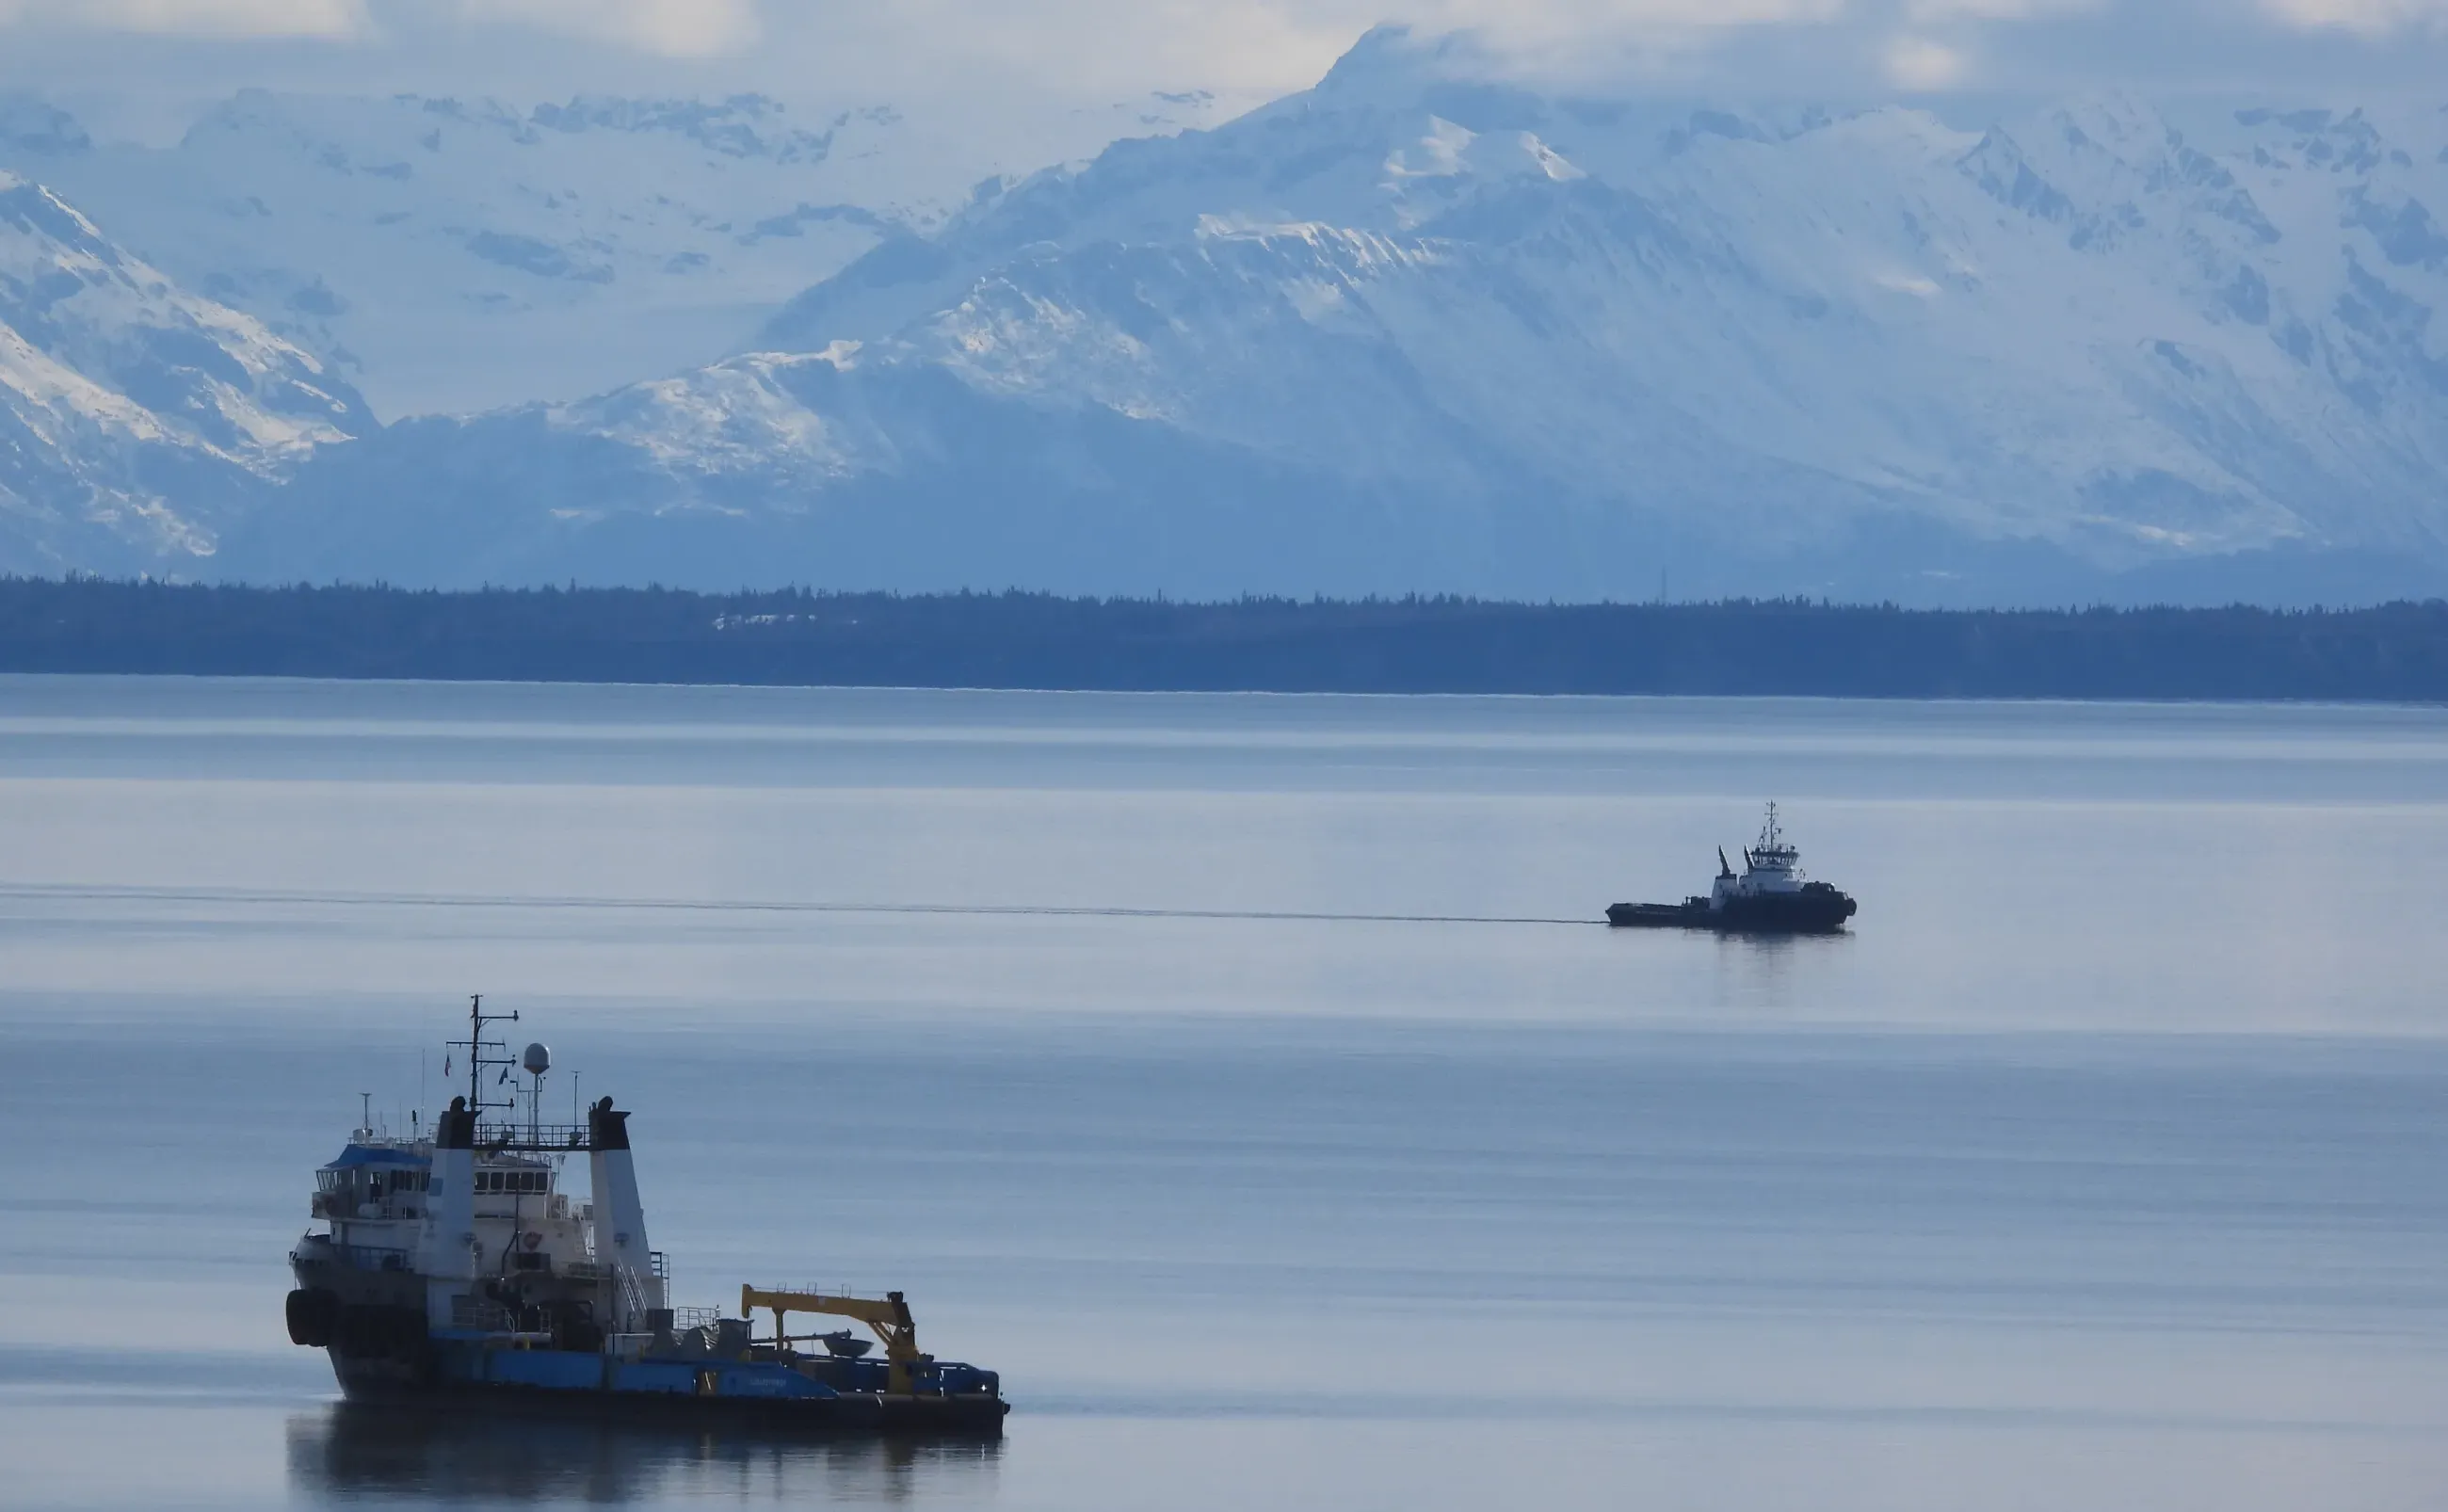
x,y
2101,1166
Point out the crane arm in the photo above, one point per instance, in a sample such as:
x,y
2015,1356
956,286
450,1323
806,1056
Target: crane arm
x,y
889,1318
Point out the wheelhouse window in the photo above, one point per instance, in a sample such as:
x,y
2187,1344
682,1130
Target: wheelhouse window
x,y
490,1183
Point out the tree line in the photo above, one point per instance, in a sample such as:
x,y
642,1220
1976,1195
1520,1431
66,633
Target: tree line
x,y
1421,645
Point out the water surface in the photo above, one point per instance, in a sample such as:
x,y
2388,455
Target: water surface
x,y
2097,1166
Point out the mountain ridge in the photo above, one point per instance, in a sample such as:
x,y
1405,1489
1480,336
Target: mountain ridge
x,y
461,254
1417,330
138,420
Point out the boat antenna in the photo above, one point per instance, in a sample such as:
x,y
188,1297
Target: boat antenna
x,y
477,1059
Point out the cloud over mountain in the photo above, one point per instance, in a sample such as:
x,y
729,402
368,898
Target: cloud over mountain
x,y
913,50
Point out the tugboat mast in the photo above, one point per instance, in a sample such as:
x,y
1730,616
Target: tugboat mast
x,y
476,1044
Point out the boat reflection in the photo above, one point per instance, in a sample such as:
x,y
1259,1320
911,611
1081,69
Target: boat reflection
x,y
349,1452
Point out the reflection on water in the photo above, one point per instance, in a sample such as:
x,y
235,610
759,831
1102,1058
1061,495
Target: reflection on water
x,y
1771,975
347,1452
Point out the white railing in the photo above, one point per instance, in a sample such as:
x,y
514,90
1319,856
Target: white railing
x,y
514,1135
633,1299
823,1288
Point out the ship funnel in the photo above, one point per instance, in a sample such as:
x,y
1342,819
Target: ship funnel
x,y
450,1261
620,1215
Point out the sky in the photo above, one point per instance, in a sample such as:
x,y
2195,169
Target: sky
x,y
147,64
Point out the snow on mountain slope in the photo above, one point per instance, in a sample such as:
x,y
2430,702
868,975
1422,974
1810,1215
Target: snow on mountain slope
x,y
136,419
458,255
2077,329
1413,330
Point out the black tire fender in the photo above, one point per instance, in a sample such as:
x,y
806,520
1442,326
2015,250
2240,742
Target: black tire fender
x,y
310,1316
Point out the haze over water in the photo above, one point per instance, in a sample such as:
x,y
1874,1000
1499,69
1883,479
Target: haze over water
x,y
2099,1166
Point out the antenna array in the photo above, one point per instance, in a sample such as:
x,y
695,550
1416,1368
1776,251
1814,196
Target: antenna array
x,y
476,1044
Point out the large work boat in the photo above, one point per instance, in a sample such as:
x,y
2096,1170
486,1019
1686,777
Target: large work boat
x,y
452,1265
1770,897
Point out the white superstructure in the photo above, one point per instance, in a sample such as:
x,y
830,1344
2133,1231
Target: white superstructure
x,y
1771,866
467,1226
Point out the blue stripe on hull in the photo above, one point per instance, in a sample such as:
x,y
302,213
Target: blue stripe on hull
x,y
541,1369
752,1394
566,1370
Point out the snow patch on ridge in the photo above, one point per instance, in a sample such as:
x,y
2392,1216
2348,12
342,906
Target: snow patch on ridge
x,y
144,415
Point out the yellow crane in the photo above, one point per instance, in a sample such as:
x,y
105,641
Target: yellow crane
x,y
889,1318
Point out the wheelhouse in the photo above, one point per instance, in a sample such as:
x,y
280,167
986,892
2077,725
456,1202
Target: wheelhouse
x,y
374,1181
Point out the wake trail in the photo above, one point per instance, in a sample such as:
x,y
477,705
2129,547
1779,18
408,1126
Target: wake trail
x,y
273,897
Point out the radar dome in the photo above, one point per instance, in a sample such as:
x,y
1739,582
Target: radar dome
x,y
537,1060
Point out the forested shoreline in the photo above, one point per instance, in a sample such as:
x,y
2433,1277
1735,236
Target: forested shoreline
x,y
2395,652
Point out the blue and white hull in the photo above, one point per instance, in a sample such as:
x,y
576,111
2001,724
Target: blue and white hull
x,y
454,1270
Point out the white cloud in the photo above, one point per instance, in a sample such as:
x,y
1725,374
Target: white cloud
x,y
225,18
1929,10
1563,19
979,58
2370,18
1925,66
670,28
1258,46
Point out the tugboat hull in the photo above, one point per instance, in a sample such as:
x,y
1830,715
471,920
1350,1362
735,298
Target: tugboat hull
x,y
1815,909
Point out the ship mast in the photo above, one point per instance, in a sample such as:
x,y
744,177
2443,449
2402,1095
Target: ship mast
x,y
476,1044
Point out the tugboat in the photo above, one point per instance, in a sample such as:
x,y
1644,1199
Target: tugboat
x,y
1770,897
452,1266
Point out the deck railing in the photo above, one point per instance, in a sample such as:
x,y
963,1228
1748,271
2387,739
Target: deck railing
x,y
512,1135
827,1288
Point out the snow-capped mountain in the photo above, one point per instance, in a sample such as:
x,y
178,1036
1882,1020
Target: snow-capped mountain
x,y
137,419
456,254
2077,330
1408,330
1412,330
